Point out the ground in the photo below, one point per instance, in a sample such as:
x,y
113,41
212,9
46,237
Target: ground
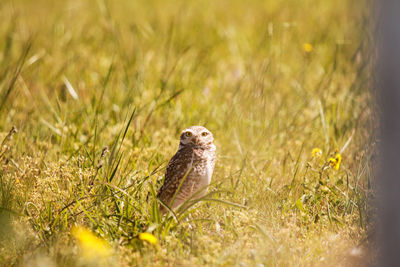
x,y
94,95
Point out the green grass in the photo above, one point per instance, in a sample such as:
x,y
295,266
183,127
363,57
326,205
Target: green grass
x,y
100,90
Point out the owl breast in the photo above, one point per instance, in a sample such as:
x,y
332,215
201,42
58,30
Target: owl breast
x,y
203,169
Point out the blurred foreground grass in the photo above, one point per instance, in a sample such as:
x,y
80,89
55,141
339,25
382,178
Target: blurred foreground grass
x,y
99,91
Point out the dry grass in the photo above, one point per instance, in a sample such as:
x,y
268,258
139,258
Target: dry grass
x,y
272,80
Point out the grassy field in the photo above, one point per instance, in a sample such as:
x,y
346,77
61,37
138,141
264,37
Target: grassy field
x,y
94,95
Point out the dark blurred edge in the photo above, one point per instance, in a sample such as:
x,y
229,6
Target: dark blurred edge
x,y
387,67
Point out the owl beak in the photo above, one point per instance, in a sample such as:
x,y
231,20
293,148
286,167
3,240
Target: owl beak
x,y
196,141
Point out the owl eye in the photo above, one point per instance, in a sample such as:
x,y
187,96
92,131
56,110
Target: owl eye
x,y
204,134
188,134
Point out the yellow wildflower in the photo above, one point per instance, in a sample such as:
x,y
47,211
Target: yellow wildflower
x,y
307,47
335,162
93,247
316,152
148,237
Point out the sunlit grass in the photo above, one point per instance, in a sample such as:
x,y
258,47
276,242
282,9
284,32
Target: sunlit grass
x,y
98,92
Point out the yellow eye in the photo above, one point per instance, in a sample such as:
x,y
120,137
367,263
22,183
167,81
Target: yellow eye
x,y
204,134
188,134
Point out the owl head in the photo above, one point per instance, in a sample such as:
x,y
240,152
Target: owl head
x,y
197,136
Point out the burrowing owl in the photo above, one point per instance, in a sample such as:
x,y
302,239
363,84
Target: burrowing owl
x,y
190,168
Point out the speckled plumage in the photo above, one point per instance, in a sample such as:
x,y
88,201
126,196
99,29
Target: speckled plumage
x,y
194,162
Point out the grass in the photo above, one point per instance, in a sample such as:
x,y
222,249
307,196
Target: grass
x,y
98,92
